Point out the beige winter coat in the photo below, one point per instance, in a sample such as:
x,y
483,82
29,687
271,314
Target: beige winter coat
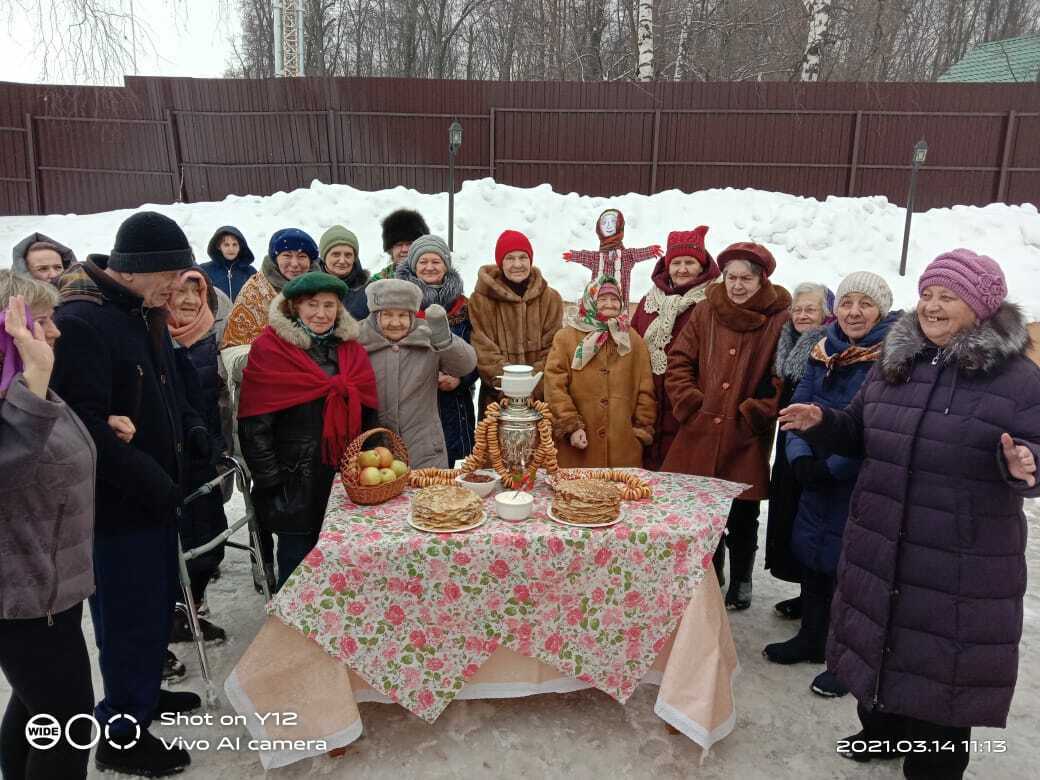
x,y
406,376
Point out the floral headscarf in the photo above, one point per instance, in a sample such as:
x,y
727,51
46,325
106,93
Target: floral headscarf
x,y
599,330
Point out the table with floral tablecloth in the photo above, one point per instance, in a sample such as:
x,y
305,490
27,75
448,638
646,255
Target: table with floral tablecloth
x,y
416,616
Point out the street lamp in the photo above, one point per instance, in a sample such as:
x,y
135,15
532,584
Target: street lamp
x,y
454,143
920,153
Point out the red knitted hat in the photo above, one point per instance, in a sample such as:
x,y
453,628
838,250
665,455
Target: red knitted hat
x,y
512,241
687,243
752,252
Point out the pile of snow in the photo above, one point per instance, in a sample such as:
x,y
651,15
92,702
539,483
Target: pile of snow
x,y
812,240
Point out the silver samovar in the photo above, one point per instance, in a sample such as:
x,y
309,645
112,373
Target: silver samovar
x,y
518,420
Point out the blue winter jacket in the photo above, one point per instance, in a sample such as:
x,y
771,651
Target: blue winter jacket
x,y
229,277
824,508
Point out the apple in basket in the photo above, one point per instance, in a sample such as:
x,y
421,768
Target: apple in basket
x,y
370,476
399,467
387,475
385,457
368,459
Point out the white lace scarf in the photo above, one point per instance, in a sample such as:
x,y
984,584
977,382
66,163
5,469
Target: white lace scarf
x,y
659,334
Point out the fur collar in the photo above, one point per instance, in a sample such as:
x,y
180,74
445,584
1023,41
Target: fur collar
x,y
792,351
278,318
374,341
492,283
445,293
981,350
770,300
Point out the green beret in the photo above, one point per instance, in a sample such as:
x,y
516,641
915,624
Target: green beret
x,y
312,283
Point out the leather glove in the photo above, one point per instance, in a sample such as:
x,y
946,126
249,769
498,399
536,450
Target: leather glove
x,y
811,472
437,322
199,446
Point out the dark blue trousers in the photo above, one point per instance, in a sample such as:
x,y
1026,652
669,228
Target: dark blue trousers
x,y
135,571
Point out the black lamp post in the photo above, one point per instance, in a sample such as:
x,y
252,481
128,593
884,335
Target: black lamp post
x,y
920,153
454,143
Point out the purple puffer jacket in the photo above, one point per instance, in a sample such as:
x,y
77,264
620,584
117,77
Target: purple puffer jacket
x,y
927,614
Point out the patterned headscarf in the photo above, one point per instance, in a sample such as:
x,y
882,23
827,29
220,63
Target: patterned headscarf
x,y
599,330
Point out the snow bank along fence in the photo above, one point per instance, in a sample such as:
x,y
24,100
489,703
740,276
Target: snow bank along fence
x,y
86,149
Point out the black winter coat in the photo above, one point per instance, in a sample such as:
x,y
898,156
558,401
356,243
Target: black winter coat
x,y
792,357
458,418
927,614
115,357
283,449
203,519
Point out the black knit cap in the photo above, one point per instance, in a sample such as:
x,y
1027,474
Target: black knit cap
x,y
149,243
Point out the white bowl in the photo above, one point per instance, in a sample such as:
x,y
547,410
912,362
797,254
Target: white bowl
x,y
482,489
514,505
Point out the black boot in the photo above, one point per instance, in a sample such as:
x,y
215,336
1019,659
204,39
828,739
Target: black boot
x,y
798,649
719,562
790,609
173,669
742,541
148,757
177,703
809,643
211,633
738,597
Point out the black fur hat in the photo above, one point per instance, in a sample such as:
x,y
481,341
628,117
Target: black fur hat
x,y
403,225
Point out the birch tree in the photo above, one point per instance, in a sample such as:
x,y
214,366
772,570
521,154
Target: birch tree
x,y
645,41
819,22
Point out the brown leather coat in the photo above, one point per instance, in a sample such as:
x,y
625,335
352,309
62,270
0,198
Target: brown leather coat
x,y
508,329
723,392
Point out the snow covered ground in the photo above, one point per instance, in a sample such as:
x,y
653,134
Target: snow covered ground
x,y
782,731
812,240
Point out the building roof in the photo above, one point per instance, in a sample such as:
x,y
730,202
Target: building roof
x,y
1009,60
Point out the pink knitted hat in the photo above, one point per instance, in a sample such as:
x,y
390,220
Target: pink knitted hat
x,y
976,279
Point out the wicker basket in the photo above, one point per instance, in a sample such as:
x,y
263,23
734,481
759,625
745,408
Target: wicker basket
x,y
372,494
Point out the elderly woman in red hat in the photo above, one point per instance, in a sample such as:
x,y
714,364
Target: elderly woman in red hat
x,y
681,280
724,394
514,313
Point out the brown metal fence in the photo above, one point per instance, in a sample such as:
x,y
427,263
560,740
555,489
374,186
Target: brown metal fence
x,y
85,149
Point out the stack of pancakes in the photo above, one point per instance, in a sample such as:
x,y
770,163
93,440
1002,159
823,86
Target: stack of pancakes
x,y
446,508
587,501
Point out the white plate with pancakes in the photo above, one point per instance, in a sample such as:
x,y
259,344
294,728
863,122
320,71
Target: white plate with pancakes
x,y
470,527
446,509
615,521
586,503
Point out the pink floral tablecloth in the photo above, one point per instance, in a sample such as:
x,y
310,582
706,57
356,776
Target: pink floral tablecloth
x,y
417,614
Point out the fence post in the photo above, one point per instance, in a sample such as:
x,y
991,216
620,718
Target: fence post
x,y
653,159
35,195
330,120
491,146
1005,157
173,154
854,160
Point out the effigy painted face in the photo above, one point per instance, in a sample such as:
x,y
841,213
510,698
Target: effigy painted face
x,y
608,223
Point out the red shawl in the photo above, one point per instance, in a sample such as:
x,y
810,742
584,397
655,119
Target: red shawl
x,y
279,376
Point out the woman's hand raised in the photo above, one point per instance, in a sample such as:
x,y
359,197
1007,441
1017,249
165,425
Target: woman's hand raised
x,y
36,354
800,417
1020,461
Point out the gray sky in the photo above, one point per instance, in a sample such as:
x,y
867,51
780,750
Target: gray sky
x,y
174,38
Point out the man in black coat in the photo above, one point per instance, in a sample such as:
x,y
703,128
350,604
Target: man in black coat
x,y
115,357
